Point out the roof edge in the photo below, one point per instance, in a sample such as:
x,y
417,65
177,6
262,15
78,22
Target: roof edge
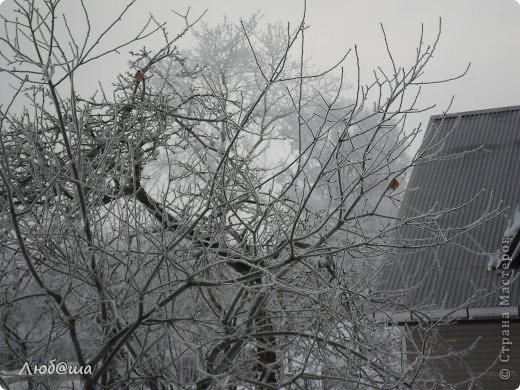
x,y
474,112
464,314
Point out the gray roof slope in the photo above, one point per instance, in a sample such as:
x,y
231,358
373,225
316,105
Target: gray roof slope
x,y
449,276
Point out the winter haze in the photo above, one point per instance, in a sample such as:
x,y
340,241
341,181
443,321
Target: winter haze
x,y
481,32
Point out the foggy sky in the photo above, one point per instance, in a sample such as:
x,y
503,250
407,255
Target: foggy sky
x,y
483,32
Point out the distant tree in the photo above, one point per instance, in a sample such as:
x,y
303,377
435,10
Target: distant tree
x,y
216,221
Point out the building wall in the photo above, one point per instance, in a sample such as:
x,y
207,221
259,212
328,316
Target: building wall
x,y
471,349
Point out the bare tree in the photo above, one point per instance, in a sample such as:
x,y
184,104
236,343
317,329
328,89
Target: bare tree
x,y
156,234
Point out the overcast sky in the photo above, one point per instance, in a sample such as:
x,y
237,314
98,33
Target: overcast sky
x,y
483,32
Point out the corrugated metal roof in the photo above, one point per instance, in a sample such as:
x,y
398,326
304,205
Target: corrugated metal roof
x,y
450,275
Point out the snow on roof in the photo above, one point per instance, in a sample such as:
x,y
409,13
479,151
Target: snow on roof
x,y
495,260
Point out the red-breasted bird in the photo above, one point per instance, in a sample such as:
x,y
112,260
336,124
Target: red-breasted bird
x,y
394,184
139,75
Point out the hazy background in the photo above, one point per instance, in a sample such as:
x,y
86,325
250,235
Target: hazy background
x,y
483,32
